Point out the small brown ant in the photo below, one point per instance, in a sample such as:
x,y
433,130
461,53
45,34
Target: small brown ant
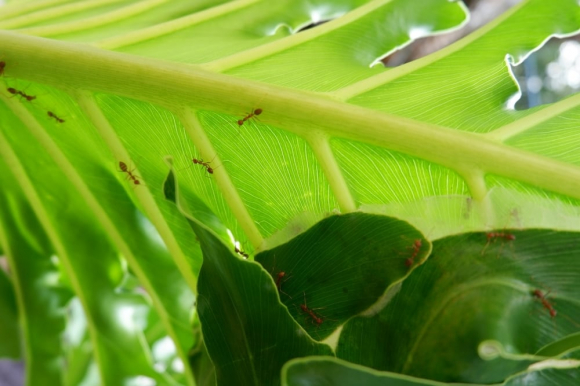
x,y
310,311
279,280
14,91
59,120
205,164
497,235
537,293
416,249
254,113
130,174
239,251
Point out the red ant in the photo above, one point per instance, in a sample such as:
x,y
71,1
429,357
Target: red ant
x,y
255,113
2,66
205,164
279,278
279,281
237,250
416,249
310,311
60,120
130,174
537,293
14,91
497,235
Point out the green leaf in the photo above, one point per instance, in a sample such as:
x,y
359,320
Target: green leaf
x,y
342,266
429,142
202,366
322,371
91,264
40,293
473,303
550,372
9,329
249,335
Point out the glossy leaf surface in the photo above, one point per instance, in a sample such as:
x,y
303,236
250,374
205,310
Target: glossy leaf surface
x,y
476,303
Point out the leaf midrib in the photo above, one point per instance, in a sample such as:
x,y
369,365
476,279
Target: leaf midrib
x,y
174,86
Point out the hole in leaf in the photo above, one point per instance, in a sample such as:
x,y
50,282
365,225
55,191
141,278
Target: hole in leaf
x,y
549,74
480,13
312,25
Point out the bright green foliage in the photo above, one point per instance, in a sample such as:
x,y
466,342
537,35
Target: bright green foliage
x,y
87,210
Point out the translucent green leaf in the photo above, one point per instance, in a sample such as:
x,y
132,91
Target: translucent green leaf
x,y
40,293
91,264
430,142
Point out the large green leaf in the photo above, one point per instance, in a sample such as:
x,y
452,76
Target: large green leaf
x,y
474,297
342,266
430,142
92,266
242,320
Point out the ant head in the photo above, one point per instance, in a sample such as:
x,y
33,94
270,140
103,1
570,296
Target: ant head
x,y
136,182
511,236
196,161
240,122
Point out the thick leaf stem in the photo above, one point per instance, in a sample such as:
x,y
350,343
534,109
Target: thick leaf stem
x,y
158,30
93,22
199,138
475,181
169,85
318,140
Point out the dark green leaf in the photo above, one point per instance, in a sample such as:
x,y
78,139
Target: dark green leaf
x,y
342,266
319,371
9,329
474,296
249,335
